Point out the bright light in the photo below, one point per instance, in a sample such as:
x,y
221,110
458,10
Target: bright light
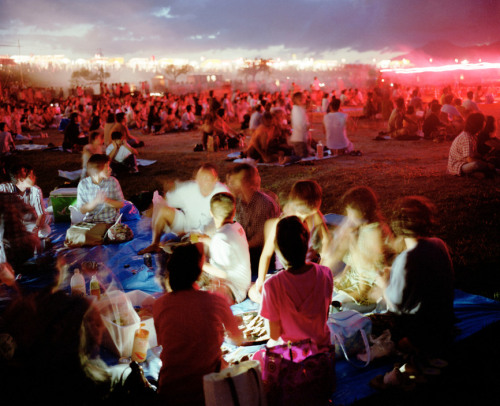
x,y
430,60
456,60
446,68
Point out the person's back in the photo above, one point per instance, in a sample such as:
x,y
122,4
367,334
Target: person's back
x,y
335,127
296,300
190,327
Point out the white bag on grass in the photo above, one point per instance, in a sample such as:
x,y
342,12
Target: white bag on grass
x,y
237,385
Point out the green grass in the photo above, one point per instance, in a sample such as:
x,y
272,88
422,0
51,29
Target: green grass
x,y
468,209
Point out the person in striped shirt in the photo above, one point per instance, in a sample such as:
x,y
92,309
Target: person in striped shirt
x,y
22,184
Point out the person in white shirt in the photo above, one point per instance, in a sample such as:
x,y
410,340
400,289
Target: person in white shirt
x,y
186,209
121,154
334,123
300,126
470,105
229,264
188,119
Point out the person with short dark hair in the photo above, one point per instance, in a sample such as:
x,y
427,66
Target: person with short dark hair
x,y
300,126
99,195
121,126
334,125
229,264
22,184
190,326
253,208
123,157
432,124
463,157
296,300
73,139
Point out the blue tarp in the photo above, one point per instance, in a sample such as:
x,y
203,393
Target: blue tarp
x,y
473,312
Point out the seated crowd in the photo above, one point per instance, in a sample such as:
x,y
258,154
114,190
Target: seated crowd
x,y
233,233
237,233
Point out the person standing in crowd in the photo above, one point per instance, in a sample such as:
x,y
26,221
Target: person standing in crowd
x,y
253,208
300,126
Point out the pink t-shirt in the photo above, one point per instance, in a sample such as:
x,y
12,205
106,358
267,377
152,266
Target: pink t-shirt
x,y
300,303
190,328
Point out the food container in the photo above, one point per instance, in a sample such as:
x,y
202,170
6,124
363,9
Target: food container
x,y
61,199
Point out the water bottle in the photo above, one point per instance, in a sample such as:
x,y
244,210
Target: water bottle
x,y
95,289
77,284
319,150
141,342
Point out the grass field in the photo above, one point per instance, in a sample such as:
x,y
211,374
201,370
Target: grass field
x,y
468,208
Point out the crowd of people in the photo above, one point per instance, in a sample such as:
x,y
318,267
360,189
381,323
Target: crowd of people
x,y
239,233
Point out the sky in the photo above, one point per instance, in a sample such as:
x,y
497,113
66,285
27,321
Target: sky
x,y
354,30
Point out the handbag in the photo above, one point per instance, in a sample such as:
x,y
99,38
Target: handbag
x,y
349,333
239,385
294,374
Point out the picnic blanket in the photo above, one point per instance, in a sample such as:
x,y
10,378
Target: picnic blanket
x,y
74,175
127,269
235,157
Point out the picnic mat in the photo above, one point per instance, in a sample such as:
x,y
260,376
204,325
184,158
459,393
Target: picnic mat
x,y
127,269
74,175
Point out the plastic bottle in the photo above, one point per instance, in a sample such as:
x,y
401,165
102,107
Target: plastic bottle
x,y
77,283
319,150
141,342
210,143
95,289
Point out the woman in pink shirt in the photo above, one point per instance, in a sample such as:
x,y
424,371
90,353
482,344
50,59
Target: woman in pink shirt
x,y
295,301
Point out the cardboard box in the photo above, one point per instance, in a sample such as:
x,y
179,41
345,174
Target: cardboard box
x,y
61,199
119,334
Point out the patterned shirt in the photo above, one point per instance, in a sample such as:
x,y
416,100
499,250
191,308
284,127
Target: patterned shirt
x,y
87,191
253,216
32,196
463,147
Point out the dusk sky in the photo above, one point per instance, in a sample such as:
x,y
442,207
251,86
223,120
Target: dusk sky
x,y
357,30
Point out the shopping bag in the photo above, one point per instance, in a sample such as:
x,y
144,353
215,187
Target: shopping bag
x,y
239,385
349,331
307,380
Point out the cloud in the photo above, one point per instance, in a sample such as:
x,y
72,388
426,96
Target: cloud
x,y
303,27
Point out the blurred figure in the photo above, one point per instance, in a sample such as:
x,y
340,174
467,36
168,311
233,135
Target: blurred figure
x,y
122,156
22,185
186,208
361,248
334,125
95,146
420,288
304,201
253,208
300,126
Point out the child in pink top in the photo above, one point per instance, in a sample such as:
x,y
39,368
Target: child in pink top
x,y
296,300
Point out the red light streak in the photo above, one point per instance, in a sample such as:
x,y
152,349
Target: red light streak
x,y
446,68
